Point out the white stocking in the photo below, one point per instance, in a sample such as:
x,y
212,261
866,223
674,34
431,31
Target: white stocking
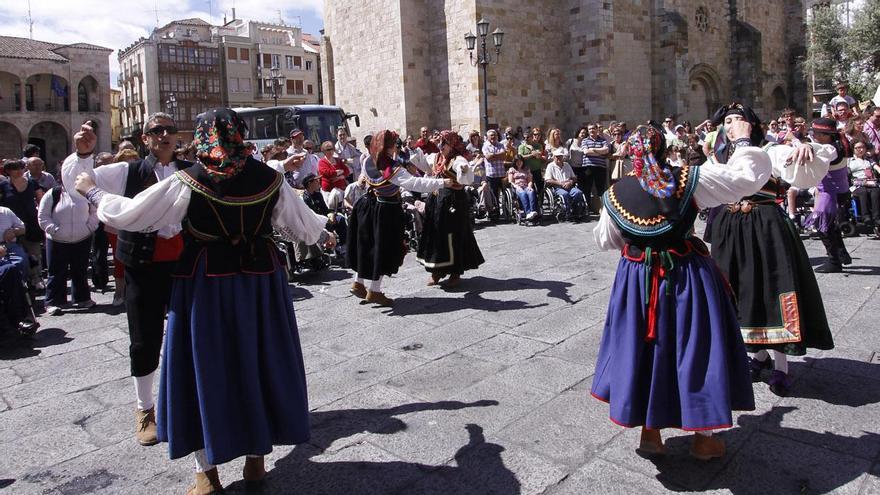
x,y
202,464
143,388
705,433
376,285
780,362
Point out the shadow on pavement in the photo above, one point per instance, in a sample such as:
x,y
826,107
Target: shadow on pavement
x,y
478,469
473,289
765,457
30,347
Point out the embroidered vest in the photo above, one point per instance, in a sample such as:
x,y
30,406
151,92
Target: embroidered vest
x,y
641,218
229,223
136,249
379,185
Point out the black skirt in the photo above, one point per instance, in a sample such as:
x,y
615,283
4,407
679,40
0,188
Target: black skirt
x,y
780,306
447,244
375,246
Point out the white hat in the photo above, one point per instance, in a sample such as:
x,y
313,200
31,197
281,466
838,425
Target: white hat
x,y
558,152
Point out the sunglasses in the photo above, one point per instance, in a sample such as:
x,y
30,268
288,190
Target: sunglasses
x,y
161,130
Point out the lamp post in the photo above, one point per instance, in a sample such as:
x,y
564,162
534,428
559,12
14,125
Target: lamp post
x,y
171,105
276,78
484,58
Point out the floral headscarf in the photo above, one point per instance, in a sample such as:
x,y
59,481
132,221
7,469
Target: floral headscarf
x,y
459,148
220,146
647,147
382,143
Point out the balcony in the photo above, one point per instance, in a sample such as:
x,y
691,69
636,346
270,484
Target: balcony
x,y
50,104
9,105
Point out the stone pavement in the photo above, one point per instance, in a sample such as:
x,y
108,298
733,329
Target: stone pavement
x,y
481,390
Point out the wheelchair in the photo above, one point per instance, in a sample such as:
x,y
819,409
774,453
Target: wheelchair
x,y
302,259
803,208
554,207
852,222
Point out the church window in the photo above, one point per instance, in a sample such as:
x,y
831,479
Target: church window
x,y
702,18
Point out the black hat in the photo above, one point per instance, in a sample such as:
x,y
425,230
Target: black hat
x,y
308,179
824,126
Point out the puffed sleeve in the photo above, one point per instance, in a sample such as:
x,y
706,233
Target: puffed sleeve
x,y
606,234
416,184
418,159
806,175
294,220
164,203
110,178
743,175
464,171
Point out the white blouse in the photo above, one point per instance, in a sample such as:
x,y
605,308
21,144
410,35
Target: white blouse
x,y
464,172
409,182
744,174
166,203
111,178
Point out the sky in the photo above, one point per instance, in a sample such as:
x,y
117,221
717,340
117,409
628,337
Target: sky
x,y
116,24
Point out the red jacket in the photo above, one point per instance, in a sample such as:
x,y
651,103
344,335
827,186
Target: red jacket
x,y
327,171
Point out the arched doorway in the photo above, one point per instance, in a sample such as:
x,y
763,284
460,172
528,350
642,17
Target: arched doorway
x,y
779,99
87,96
10,141
10,97
47,93
704,95
53,139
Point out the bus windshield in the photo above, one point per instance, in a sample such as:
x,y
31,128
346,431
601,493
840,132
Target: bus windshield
x,y
265,125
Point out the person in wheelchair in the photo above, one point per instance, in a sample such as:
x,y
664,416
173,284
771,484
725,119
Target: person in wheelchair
x,y
865,175
520,178
560,178
312,255
16,315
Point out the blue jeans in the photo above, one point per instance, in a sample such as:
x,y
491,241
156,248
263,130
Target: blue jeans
x,y
16,255
13,299
570,198
67,259
528,199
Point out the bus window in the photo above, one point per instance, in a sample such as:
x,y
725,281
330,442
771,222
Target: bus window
x,y
263,126
321,126
287,122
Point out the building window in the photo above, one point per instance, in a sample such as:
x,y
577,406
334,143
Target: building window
x,y
276,60
702,18
294,87
311,91
288,61
298,62
267,60
308,65
244,85
232,53
233,85
244,55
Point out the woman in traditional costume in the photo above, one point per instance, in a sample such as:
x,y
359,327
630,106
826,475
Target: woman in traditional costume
x,y
671,354
447,246
832,194
376,242
233,381
758,249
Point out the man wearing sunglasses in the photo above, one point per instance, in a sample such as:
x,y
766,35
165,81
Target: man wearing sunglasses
x,y
148,257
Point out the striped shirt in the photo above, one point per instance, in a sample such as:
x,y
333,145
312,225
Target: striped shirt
x,y
594,160
494,168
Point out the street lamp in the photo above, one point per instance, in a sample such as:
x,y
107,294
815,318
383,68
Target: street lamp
x,y
171,105
276,78
484,58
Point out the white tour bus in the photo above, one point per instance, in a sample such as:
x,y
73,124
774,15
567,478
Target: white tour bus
x,y
318,122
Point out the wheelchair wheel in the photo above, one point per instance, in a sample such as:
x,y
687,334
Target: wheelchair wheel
x,y
848,229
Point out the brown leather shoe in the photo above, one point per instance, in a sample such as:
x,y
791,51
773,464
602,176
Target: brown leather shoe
x,y
651,443
206,483
358,290
454,281
254,472
378,298
434,279
706,448
146,427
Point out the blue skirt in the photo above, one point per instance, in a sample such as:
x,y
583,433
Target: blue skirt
x,y
233,381
695,370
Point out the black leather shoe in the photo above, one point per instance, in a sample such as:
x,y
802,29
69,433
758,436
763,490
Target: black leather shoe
x,y
829,268
845,258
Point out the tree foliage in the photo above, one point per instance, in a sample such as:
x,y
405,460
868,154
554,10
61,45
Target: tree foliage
x,y
837,53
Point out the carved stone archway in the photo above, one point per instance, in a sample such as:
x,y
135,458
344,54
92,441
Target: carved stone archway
x,y
704,96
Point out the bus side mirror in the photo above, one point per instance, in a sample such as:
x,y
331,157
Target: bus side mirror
x,y
357,119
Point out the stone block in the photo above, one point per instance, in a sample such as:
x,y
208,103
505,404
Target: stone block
x,y
546,373
8,378
442,378
600,476
317,359
44,367
66,382
505,348
70,409
52,445
448,338
360,340
581,348
561,323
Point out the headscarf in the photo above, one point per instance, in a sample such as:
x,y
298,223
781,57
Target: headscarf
x,y
380,146
647,149
220,146
838,138
723,147
459,148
